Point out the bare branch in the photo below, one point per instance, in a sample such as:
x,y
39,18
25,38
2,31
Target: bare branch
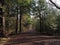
x,y
54,4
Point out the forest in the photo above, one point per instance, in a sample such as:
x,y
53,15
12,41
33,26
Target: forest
x,y
29,22
29,16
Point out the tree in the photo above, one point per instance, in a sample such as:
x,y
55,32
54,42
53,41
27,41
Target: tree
x,y
17,7
39,10
58,18
24,8
57,6
47,17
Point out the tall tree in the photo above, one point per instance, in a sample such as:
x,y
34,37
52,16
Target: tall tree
x,y
24,8
39,9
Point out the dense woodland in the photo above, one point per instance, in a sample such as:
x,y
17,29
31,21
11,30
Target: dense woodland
x,y
20,16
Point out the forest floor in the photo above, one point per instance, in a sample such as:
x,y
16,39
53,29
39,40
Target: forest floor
x,y
31,39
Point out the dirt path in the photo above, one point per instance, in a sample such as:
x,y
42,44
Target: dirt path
x,y
27,39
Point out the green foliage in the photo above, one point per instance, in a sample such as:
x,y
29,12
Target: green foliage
x,y
47,23
39,11
36,24
51,20
58,25
26,20
10,23
25,2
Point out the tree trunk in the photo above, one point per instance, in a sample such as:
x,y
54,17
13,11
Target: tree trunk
x,y
20,18
16,22
4,26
